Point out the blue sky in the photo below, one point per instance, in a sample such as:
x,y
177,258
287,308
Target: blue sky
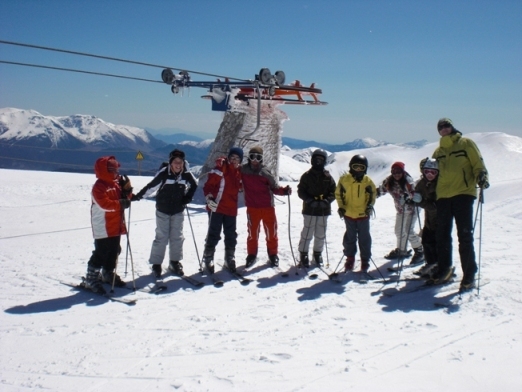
x,y
389,69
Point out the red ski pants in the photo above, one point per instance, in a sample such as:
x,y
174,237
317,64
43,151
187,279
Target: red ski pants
x,y
255,216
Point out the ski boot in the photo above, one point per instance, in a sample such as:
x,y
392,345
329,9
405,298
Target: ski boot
x,y
426,270
230,259
208,259
250,261
418,256
176,268
365,265
93,282
318,258
156,270
274,260
349,264
304,262
110,277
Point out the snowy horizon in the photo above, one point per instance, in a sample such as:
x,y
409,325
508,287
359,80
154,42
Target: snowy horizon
x,y
281,334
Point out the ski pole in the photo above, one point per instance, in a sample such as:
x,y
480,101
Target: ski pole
x,y
193,236
378,270
326,243
289,236
406,244
480,201
127,248
338,264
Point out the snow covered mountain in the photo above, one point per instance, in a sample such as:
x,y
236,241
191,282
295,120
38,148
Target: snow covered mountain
x,y
75,131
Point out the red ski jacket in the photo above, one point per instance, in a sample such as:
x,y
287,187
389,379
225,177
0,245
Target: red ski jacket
x,y
106,212
224,184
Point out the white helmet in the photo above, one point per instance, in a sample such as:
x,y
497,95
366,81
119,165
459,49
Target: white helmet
x,y
429,163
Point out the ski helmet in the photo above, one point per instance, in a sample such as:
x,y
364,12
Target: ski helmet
x,y
358,160
319,152
429,163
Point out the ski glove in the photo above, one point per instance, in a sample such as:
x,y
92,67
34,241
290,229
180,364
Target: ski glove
x,y
185,200
417,197
124,203
341,212
135,198
369,211
125,183
287,190
211,203
482,180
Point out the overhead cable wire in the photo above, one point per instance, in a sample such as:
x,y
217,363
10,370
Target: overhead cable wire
x,y
114,59
79,71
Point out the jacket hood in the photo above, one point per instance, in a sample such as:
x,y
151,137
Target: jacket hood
x,y
101,171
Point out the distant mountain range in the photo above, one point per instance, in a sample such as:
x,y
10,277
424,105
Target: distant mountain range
x,y
32,141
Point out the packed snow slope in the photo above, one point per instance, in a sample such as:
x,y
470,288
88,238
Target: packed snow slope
x,y
276,334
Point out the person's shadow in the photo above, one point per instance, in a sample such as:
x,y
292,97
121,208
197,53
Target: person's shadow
x,y
55,304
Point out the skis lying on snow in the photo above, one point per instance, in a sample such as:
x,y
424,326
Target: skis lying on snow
x,y
160,285
390,292
215,280
81,286
279,271
244,281
460,293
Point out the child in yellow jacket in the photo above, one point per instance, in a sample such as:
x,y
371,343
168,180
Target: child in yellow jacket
x,y
355,194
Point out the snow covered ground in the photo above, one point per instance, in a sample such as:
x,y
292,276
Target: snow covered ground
x,y
277,334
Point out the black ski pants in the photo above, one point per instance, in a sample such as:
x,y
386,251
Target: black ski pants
x,y
429,243
216,223
460,208
105,254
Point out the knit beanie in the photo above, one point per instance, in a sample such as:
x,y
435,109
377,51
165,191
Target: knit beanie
x,y
236,151
398,165
444,121
256,150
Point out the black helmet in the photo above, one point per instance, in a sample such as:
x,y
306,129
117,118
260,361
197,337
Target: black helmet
x,y
358,160
319,152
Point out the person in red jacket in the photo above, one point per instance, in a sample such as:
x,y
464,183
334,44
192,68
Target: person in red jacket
x,y
111,194
221,192
259,187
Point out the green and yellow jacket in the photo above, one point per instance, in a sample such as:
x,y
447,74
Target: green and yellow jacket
x,y
354,197
460,164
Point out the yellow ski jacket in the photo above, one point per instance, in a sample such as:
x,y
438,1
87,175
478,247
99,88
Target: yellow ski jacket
x,y
355,197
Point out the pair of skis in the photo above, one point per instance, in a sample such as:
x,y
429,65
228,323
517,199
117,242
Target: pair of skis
x,y
81,286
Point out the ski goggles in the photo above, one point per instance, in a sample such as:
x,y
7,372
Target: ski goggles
x,y
358,167
256,157
433,172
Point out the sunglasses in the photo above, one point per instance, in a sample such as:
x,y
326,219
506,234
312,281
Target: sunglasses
x,y
397,171
433,172
441,127
256,157
358,167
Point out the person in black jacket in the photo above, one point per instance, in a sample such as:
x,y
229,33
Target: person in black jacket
x,y
174,187
317,190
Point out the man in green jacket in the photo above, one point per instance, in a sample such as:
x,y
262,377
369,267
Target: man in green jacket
x,y
461,169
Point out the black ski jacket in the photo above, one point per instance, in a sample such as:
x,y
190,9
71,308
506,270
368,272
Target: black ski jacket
x,y
173,191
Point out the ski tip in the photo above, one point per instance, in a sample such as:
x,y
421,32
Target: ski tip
x,y
218,284
313,276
